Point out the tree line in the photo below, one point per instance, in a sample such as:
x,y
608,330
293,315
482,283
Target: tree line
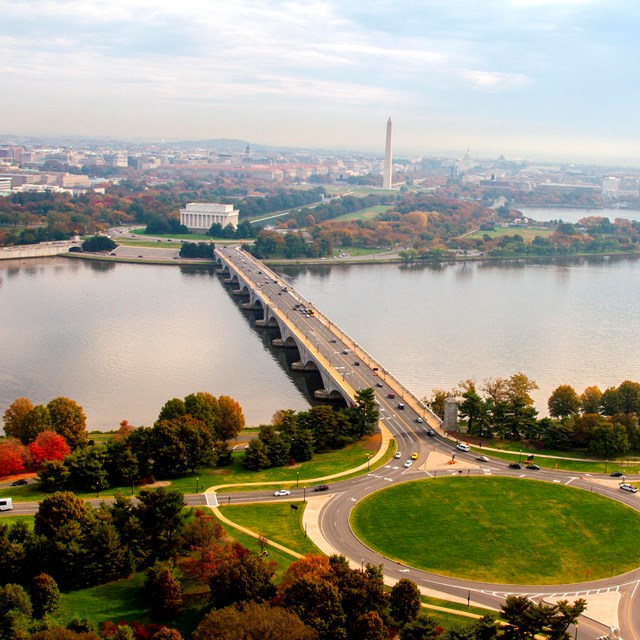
x,y
606,423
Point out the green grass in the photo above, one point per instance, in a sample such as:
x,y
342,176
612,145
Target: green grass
x,y
364,214
323,464
282,559
501,530
277,522
527,234
9,520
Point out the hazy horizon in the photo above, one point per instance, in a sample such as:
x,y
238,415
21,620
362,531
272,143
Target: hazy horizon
x,y
534,79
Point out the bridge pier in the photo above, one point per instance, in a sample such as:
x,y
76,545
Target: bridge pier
x,y
302,366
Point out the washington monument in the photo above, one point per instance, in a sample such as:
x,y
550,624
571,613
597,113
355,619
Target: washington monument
x,y
388,160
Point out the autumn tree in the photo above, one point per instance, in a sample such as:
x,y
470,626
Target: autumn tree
x,y
163,590
230,418
404,601
48,446
68,419
12,457
253,621
45,595
14,417
34,423
590,400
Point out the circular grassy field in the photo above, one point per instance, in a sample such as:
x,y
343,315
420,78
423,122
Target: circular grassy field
x,y
502,530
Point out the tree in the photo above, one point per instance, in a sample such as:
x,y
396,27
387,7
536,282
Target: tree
x,y
45,595
404,601
54,476
174,408
86,468
629,393
98,243
317,603
164,590
48,446
563,402
203,406
59,509
590,400
230,420
256,456
609,439
161,516
12,457
35,422
15,612
253,621
68,419
242,577
14,417
367,410
611,402
422,628
473,408
370,626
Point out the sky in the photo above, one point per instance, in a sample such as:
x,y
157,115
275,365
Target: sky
x,y
536,79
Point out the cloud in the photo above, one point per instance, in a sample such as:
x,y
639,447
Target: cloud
x,y
495,79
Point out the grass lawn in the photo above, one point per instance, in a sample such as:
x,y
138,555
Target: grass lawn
x,y
277,522
501,530
9,520
364,214
527,234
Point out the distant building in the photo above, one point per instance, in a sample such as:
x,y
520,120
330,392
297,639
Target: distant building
x,y
387,172
199,216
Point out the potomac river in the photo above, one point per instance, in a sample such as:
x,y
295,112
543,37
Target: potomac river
x,y
121,339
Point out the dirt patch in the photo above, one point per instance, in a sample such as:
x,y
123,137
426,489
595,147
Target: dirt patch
x,y
372,443
18,476
156,485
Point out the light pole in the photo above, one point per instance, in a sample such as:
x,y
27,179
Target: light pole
x,y
605,465
368,461
520,460
197,484
297,478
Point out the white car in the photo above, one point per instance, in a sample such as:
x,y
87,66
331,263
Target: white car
x,y
282,492
463,447
408,463
399,454
629,487
482,458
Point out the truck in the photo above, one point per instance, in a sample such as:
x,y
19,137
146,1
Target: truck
x,y
6,504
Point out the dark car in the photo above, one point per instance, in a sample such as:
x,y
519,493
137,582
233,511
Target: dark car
x,y
535,467
19,483
431,433
515,465
321,487
356,364
616,474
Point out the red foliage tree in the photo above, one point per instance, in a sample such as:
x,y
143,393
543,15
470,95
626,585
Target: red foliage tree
x,y
12,457
48,446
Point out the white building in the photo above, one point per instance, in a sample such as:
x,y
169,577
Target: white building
x,y
199,216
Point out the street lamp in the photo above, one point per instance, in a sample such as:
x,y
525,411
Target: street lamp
x,y
520,460
197,483
605,465
368,461
297,478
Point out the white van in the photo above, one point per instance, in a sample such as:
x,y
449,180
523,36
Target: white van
x,y
463,447
6,504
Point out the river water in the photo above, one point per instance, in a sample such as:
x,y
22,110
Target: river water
x,y
123,339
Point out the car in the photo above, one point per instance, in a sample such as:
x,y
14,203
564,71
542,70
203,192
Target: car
x,y
333,340
19,483
431,433
482,458
515,465
345,351
533,467
408,463
321,487
629,487
379,384
391,395
356,364
414,455
400,406
399,454
282,492
462,446
419,420
616,474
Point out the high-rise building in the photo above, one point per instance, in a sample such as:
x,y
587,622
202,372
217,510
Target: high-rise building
x,y
388,160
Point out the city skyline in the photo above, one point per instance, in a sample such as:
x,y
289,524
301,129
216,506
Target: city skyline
x,y
521,78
